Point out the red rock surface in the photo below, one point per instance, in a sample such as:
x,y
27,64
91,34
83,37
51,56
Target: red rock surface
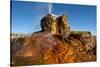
x,y
47,48
61,46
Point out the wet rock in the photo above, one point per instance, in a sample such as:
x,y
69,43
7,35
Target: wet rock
x,y
47,46
57,26
63,26
48,24
85,38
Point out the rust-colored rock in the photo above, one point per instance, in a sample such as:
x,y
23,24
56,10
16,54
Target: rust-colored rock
x,y
47,46
63,26
48,24
54,25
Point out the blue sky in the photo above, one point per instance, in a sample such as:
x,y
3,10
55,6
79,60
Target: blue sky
x,y
26,16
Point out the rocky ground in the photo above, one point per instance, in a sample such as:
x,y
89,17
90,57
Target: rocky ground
x,y
53,45
47,48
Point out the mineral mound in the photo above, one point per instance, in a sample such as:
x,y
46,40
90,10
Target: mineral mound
x,y
54,44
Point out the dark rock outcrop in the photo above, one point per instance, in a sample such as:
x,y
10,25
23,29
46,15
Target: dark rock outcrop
x,y
48,24
57,25
63,26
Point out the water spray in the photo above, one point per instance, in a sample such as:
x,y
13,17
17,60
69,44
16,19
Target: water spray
x,y
50,8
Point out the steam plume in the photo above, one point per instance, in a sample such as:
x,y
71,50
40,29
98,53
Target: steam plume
x,y
50,8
